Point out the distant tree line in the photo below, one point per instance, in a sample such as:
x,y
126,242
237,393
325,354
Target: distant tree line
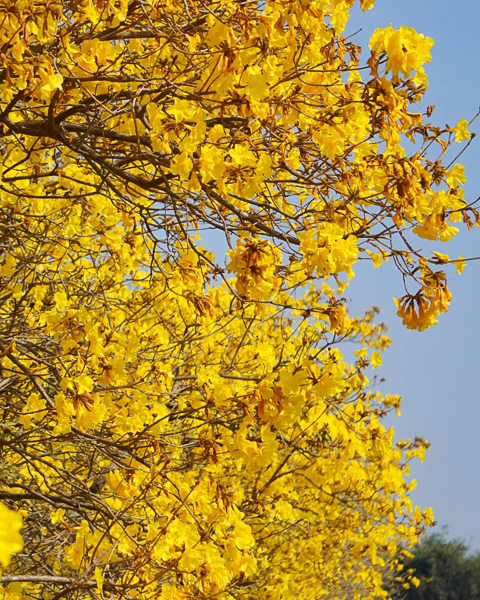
x,y
447,570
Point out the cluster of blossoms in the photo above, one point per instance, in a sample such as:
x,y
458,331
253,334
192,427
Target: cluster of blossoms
x,y
176,423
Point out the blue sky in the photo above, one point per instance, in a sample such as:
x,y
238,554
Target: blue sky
x,y
436,371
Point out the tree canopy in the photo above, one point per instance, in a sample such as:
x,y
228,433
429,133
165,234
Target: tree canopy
x,y
181,424
445,569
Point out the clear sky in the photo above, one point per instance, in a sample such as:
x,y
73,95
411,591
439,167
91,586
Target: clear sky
x,y
436,371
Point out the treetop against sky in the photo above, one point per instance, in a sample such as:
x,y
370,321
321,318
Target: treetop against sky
x,y
183,425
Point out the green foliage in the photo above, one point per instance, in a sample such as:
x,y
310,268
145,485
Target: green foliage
x,y
447,570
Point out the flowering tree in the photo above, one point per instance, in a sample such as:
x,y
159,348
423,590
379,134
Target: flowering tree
x,y
181,425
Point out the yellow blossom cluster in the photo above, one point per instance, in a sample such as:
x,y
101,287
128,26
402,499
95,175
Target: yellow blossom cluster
x,y
255,261
179,422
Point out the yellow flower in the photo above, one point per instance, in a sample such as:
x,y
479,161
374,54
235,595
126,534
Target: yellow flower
x,y
406,49
182,110
461,131
376,360
213,163
181,165
460,264
456,175
57,516
10,538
